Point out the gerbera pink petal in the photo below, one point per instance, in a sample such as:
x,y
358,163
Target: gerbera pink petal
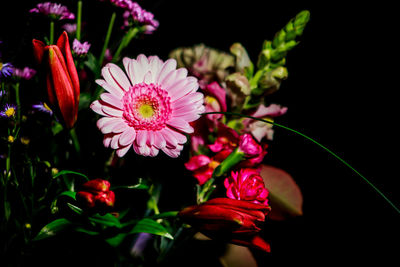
x,y
181,124
137,72
112,100
119,127
190,87
114,141
122,151
111,111
127,137
141,138
107,140
113,77
117,91
103,122
168,66
159,140
96,107
140,109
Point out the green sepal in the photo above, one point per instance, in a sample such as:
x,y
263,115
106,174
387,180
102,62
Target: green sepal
x,y
234,158
150,226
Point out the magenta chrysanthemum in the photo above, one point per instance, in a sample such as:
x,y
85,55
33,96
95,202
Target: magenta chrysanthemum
x,y
53,10
150,108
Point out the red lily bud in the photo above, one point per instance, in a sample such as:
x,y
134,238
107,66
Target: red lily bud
x,y
105,199
96,196
85,199
234,220
97,185
61,76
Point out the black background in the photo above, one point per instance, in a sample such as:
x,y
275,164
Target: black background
x,y
341,90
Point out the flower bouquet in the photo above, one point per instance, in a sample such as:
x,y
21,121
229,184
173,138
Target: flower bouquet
x,y
119,157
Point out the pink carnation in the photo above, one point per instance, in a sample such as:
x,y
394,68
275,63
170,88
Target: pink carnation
x,y
150,108
248,185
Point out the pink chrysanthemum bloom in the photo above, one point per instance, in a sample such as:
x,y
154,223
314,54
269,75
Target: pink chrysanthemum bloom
x,y
25,73
79,48
148,109
53,10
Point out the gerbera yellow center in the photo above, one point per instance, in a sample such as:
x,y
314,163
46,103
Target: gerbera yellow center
x,y
146,110
10,112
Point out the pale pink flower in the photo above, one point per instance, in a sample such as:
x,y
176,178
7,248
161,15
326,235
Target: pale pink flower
x,y
149,108
261,129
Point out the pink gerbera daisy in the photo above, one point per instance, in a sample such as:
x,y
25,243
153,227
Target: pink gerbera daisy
x,y
149,108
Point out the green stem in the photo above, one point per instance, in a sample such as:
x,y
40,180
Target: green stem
x,y
75,141
18,101
106,41
51,32
78,21
125,42
321,146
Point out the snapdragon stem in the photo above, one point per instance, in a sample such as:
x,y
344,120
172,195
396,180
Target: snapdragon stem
x,y
125,42
79,21
106,41
51,39
321,146
75,141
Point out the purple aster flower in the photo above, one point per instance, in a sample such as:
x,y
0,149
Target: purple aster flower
x,y
53,10
6,70
8,111
80,48
25,73
69,27
43,107
138,15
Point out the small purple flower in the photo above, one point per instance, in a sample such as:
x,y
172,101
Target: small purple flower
x,y
8,111
25,73
136,14
6,70
53,10
43,107
69,27
80,48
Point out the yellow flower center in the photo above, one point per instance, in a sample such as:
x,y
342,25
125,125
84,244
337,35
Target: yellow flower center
x,y
10,112
146,110
1,65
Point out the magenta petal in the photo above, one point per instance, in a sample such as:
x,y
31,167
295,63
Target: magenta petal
x,y
196,162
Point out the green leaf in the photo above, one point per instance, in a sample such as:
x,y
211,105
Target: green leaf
x,y
75,208
70,172
53,228
56,128
68,194
285,196
86,231
147,225
91,62
116,240
106,220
